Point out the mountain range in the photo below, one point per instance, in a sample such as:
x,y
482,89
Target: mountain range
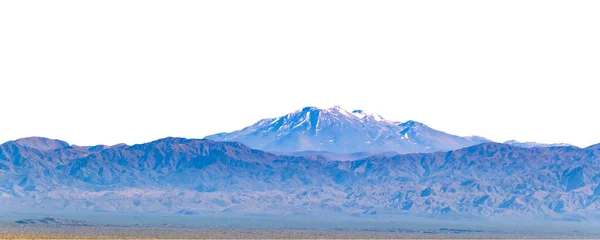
x,y
196,176
306,162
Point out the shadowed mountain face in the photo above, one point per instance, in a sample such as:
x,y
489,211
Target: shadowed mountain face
x,y
176,175
337,130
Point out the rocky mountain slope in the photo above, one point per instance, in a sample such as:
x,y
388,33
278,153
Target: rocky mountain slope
x,y
191,176
337,130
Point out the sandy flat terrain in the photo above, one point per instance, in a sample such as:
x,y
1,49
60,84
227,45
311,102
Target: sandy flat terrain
x,y
226,236
184,233
14,230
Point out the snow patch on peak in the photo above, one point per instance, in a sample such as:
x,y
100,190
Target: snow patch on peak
x,y
340,110
377,117
359,114
304,120
367,116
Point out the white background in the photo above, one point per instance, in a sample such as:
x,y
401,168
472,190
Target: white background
x,y
92,72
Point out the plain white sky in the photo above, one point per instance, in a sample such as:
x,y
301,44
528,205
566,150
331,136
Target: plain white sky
x,y
92,72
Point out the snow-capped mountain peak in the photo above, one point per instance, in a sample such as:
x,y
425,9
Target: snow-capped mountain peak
x,y
361,114
338,130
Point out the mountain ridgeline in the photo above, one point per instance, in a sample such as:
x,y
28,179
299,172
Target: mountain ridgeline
x,y
195,176
340,131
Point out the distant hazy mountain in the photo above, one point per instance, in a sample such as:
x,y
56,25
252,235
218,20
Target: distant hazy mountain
x,y
337,130
190,176
331,156
535,144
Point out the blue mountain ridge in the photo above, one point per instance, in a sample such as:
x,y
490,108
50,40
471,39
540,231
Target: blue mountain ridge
x,y
174,175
